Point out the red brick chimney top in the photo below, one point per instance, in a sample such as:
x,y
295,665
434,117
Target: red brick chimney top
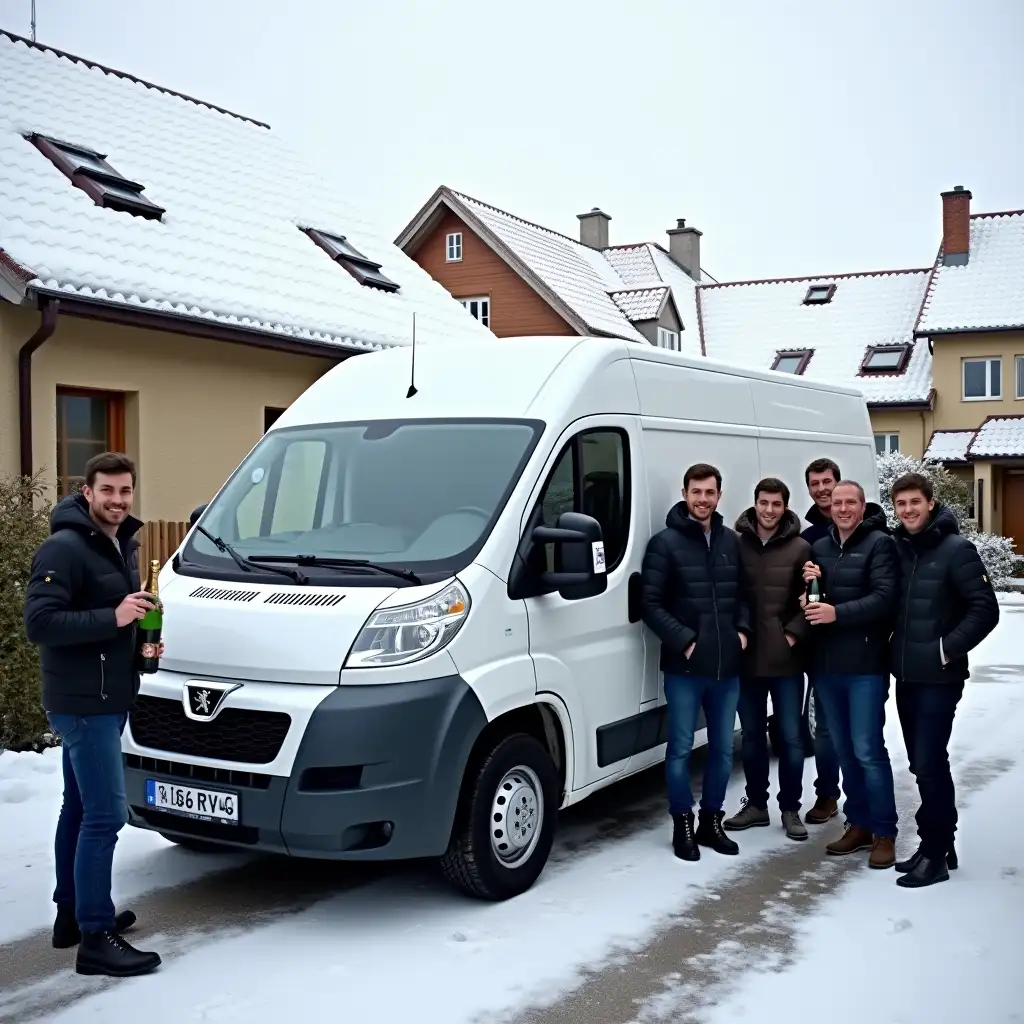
x,y
956,226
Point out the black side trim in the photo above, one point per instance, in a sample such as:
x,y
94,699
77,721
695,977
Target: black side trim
x,y
628,736
633,597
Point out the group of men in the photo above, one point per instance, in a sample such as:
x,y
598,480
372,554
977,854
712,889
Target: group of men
x,y
746,613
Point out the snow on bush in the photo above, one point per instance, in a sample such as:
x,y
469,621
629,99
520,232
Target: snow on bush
x,y
996,552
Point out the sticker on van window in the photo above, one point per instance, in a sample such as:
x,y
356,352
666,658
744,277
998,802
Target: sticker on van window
x,y
257,475
598,547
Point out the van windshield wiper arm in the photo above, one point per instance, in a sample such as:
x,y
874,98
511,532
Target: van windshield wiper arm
x,y
340,563
247,563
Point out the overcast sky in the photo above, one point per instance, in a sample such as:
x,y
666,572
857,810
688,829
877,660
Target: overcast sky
x,y
801,137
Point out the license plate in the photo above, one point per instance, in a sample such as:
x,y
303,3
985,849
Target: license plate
x,y
190,802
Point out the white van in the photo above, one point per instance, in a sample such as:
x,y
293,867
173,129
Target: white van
x,y
407,626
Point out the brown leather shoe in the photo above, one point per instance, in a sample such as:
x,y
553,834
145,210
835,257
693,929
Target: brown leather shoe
x,y
823,810
852,840
883,852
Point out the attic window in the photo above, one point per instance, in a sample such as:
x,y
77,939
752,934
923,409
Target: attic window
x,y
885,359
89,171
819,294
794,361
364,270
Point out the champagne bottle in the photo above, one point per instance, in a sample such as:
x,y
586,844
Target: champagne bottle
x,y
813,591
147,636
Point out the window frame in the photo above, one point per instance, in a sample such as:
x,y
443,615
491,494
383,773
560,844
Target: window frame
x,y
803,354
115,401
811,299
664,334
485,320
453,243
366,271
988,361
867,370
1018,368
887,448
97,182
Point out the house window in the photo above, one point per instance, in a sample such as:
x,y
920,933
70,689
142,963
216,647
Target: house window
x,y
270,415
480,308
453,247
88,423
982,379
668,339
364,270
885,359
792,362
89,171
819,294
1020,376
886,444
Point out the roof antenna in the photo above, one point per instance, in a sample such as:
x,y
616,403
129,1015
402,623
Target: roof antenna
x,y
412,373
33,21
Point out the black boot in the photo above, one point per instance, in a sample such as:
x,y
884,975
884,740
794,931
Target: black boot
x,y
108,954
905,866
66,932
683,842
710,833
927,871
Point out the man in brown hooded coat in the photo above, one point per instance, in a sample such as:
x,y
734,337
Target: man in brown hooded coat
x,y
773,554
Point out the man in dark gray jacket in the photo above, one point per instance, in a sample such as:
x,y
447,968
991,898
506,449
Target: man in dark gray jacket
x,y
81,606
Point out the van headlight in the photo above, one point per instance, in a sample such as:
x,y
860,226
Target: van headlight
x,y
396,636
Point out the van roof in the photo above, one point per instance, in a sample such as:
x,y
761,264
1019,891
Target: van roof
x,y
488,380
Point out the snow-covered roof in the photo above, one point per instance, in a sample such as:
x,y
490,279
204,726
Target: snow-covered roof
x,y
228,249
998,437
750,322
640,304
949,445
987,292
585,284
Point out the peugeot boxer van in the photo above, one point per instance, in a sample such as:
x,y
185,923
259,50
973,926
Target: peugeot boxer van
x,y
407,626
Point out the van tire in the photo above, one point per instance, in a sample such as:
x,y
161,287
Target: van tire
x,y
471,862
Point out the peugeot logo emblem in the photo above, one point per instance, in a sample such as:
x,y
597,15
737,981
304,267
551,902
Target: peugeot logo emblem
x,y
202,701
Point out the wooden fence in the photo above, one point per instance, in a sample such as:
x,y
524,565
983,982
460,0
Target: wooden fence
x,y
160,539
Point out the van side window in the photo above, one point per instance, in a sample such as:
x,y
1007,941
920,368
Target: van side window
x,y
591,476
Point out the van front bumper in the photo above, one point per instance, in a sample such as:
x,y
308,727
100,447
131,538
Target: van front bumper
x,y
377,776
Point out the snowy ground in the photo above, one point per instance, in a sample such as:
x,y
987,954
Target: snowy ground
x,y
616,930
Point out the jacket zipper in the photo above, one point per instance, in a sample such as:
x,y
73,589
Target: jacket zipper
x,y
835,571
714,603
103,677
906,614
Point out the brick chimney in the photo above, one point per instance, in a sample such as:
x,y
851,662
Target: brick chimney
x,y
594,228
956,226
684,246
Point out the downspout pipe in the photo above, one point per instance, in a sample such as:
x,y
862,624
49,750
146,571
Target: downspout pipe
x,y
43,333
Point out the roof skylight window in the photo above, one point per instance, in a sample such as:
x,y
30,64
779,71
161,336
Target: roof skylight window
x,y
792,361
364,270
886,359
819,294
89,171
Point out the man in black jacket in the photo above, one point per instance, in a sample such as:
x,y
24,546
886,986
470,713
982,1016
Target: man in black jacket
x,y
82,602
858,571
694,600
947,608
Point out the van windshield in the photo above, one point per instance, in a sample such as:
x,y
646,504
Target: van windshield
x,y
421,495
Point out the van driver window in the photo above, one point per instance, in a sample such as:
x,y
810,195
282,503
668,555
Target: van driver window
x,y
591,477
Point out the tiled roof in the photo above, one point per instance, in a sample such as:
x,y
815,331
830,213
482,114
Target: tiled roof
x,y
949,446
640,304
228,249
998,437
749,322
988,291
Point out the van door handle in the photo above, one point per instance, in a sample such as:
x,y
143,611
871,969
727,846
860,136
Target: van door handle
x,y
633,598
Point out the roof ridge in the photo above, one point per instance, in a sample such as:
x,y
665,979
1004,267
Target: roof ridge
x,y
818,277
521,220
997,213
93,65
661,285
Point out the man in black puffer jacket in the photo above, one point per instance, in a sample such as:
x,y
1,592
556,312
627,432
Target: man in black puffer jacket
x,y
947,608
858,571
81,606
694,599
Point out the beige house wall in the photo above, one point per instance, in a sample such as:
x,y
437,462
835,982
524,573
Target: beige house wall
x,y
914,428
193,407
951,411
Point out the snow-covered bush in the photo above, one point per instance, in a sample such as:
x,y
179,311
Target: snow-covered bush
x,y
996,552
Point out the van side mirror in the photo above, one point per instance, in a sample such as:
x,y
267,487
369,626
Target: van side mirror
x,y
196,513
580,569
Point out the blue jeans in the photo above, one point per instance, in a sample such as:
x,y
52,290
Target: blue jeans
x,y
855,706
685,695
787,694
93,812
825,760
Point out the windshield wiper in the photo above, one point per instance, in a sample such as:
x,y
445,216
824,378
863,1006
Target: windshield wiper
x,y
340,563
247,563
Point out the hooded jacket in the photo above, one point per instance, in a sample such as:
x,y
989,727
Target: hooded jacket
x,y
945,596
78,578
693,592
774,571
861,580
819,527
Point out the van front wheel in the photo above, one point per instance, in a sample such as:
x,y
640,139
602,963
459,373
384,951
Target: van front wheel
x,y
506,824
